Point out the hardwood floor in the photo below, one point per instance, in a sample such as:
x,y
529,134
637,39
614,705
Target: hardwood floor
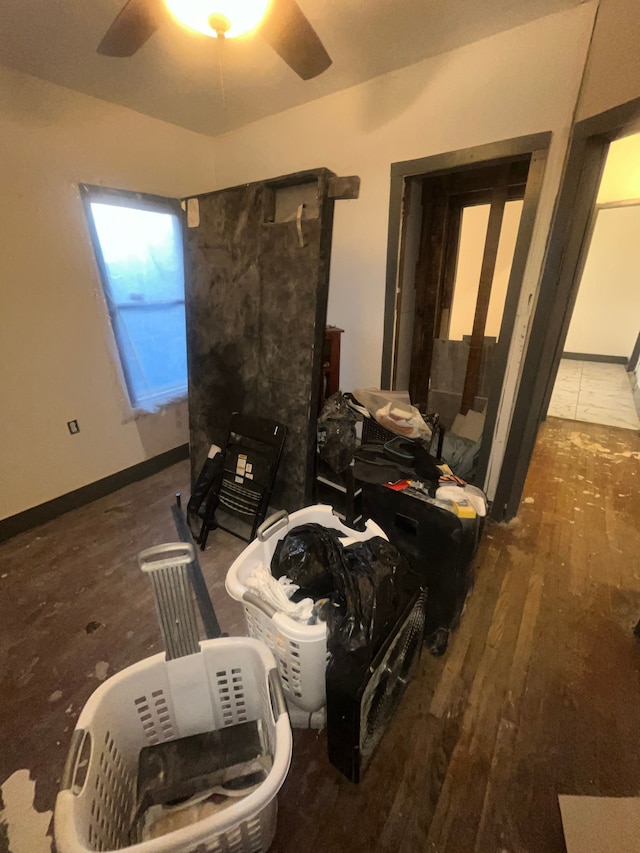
x,y
538,694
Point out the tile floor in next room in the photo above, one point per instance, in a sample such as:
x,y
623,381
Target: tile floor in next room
x,y
594,392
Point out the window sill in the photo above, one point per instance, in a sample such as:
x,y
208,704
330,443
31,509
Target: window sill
x,y
158,408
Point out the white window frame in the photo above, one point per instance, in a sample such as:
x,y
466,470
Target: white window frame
x,y
140,201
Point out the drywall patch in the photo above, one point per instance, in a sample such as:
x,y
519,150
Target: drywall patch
x,y
101,670
26,828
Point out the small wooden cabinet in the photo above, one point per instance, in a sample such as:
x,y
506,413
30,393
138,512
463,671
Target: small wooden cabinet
x,y
331,361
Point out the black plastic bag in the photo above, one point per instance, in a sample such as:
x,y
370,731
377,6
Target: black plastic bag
x,y
369,584
336,433
397,459
310,555
373,585
208,480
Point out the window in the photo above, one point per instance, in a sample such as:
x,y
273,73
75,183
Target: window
x,y
139,250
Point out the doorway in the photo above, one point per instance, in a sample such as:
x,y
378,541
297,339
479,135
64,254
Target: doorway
x,y
459,234
593,383
565,261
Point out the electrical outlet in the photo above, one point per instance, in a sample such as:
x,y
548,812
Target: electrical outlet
x,y
73,427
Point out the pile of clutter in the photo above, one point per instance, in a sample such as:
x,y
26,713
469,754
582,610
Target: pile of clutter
x,y
407,457
317,574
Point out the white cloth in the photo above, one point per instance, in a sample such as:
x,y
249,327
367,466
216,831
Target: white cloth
x,y
278,592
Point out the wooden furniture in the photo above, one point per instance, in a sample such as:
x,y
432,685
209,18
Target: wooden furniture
x,y
331,361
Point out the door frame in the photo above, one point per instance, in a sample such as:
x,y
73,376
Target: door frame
x,y
444,198
560,280
537,146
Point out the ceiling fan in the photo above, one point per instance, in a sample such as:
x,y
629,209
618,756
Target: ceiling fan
x,y
284,27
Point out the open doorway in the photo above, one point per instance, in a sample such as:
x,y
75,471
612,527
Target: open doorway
x,y
453,281
565,262
596,375
459,232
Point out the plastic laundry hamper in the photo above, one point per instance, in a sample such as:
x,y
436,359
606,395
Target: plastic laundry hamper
x,y
224,682
300,650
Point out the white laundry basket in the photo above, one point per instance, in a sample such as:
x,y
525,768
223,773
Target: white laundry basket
x,y
229,681
300,650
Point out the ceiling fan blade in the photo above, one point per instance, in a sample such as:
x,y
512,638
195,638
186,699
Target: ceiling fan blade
x,y
290,34
136,22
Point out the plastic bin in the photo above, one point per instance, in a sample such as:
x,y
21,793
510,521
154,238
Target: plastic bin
x,y
300,650
229,681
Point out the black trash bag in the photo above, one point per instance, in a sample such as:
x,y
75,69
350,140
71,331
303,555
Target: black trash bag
x,y
398,459
208,481
373,585
369,585
310,555
336,433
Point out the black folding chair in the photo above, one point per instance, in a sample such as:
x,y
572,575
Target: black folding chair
x,y
239,498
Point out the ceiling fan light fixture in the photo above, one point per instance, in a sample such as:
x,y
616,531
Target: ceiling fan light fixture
x,y
228,18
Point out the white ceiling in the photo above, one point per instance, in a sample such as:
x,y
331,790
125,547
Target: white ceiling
x,y
177,76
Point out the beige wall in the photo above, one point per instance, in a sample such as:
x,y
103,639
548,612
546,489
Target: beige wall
x,y
494,89
55,347
621,176
519,82
612,74
55,357
606,317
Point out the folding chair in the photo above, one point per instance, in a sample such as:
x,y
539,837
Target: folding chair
x,y
242,490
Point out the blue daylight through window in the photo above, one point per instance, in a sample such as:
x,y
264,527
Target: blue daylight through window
x,y
140,255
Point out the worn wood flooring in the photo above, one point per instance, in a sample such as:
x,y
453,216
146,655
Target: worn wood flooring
x,y
538,694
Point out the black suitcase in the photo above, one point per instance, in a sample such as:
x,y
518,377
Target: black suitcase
x,y
440,548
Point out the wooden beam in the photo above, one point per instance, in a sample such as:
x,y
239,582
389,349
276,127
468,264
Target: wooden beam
x,y
406,203
443,318
496,214
635,356
428,277
344,188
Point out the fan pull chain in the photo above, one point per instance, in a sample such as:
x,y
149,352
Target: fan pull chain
x,y
221,41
